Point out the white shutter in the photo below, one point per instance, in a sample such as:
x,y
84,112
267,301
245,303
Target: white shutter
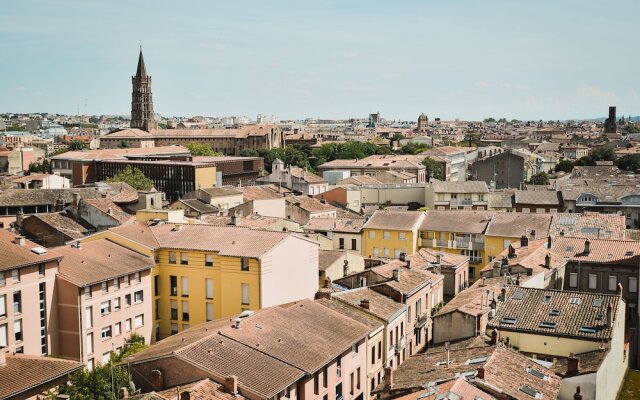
x,y
245,293
3,335
88,317
185,286
89,343
209,312
139,321
633,285
3,305
209,288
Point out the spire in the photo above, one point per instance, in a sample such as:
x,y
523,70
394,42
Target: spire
x,y
142,71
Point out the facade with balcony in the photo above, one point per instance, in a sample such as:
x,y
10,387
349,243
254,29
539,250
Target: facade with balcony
x,y
457,196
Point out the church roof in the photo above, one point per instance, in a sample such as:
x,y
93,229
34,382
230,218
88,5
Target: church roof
x,y
142,71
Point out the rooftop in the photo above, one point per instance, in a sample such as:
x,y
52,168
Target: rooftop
x,y
589,225
606,251
379,305
16,256
395,220
457,221
23,373
517,224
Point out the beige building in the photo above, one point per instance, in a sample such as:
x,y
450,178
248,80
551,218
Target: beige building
x,y
345,233
471,195
336,264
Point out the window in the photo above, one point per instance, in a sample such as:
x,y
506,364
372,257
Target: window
x,y
88,317
116,284
106,332
117,328
245,293
185,327
17,302
208,260
209,312
372,234
105,287
174,329
386,235
185,286
209,288
87,292
106,357
41,269
3,305
3,336
613,283
3,281
172,257
574,300
139,320
105,307
138,297
127,325
15,275
358,378
341,243
89,343
633,284
17,330
116,304
127,300
396,252
402,236
173,285
573,279
126,280
185,310
244,264
156,285
386,252
184,258
174,310
376,252
593,281
354,244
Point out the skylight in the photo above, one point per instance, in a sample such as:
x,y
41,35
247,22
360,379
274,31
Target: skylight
x,y
587,329
478,360
554,313
508,320
517,295
546,298
574,300
39,250
628,254
548,325
530,391
537,374
597,302
599,316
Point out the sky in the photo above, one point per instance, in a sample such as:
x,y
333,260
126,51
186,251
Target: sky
x,y
466,59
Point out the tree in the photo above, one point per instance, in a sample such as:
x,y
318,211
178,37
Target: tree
x,y
541,178
433,169
604,153
132,345
134,178
39,168
249,153
630,162
632,128
77,145
123,144
490,119
201,149
413,148
565,166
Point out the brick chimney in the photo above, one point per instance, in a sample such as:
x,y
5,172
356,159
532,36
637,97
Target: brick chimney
x,y
75,202
186,395
396,275
587,247
231,384
494,337
547,261
388,378
19,240
480,373
549,242
524,241
573,365
364,303
157,379
403,256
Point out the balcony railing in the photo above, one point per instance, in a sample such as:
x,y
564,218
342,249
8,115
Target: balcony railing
x,y
461,202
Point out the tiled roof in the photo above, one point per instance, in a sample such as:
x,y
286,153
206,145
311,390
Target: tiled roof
x,y
310,204
474,300
199,206
518,224
590,362
15,256
106,154
305,175
606,251
456,221
531,258
426,256
531,307
30,178
499,200
459,387
354,313
61,223
409,279
395,220
351,225
24,372
222,191
243,131
259,193
359,180
378,161
204,389
460,187
98,261
589,225
379,305
327,258
537,197
105,205
32,197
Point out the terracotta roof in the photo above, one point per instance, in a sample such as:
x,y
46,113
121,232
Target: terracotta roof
x,y
61,223
474,300
538,197
354,313
518,224
98,261
305,175
460,387
605,251
310,204
589,225
460,187
359,180
351,225
457,221
379,305
532,307
107,154
24,372
327,258
199,206
409,280
222,191
426,256
259,193
499,200
395,220
204,389
530,259
105,205
243,131
253,221
32,197
378,161
30,178
16,256
590,362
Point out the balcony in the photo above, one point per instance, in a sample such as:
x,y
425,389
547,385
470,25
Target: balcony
x,y
422,321
460,202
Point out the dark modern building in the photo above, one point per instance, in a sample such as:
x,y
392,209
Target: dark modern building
x,y
504,170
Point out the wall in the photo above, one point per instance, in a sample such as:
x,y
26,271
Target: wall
x,y
205,177
394,242
270,208
96,218
453,326
393,195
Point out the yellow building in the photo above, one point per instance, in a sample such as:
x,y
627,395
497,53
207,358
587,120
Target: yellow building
x,y
458,232
389,233
206,272
507,228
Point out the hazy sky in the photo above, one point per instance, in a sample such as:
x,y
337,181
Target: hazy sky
x,y
329,59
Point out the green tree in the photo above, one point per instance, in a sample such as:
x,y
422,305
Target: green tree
x,y
133,177
604,153
77,145
490,119
40,168
541,178
249,153
630,162
632,128
433,169
132,345
124,144
565,166
201,149
413,148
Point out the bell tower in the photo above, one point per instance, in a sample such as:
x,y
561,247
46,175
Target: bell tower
x,y
141,99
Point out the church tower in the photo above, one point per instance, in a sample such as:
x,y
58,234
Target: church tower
x,y
141,101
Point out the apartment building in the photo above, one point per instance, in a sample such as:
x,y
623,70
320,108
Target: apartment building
x,y
345,233
390,233
204,272
301,350
507,228
104,296
537,201
377,163
444,195
28,312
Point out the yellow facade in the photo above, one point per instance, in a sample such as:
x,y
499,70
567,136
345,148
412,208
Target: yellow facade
x,y
547,345
205,177
494,245
446,242
388,243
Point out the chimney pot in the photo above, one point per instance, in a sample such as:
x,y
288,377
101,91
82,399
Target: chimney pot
x,y
403,256
494,337
236,323
503,294
573,365
547,261
186,395
364,303
388,377
231,384
396,275
480,372
524,241
577,395
19,240
549,242
587,246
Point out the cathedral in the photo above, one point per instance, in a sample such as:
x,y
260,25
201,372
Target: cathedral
x,y
141,99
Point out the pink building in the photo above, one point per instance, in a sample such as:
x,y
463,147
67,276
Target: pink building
x,y
104,296
28,313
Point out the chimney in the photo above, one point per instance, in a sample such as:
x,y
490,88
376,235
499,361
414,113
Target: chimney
x,y
587,247
327,282
3,358
496,269
157,379
75,200
186,395
512,252
124,393
547,261
19,240
408,262
494,337
573,365
231,384
396,275
484,281
19,219
234,220
480,373
109,211
577,395
503,294
609,316
533,234
236,323
403,256
438,258
364,303
524,241
388,378
549,242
